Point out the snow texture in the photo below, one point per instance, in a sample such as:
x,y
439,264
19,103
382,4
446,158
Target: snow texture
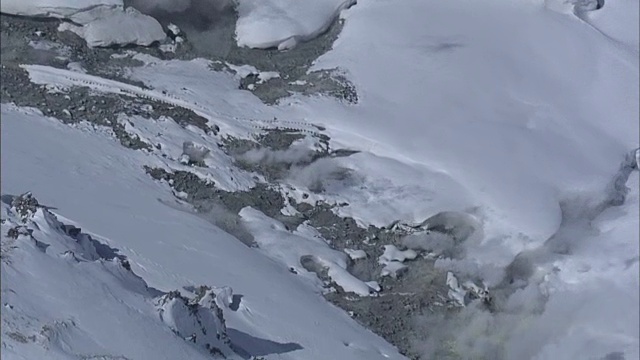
x,y
289,248
119,27
393,259
391,253
518,113
95,306
100,23
284,23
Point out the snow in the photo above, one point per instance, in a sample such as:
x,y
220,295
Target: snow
x,y
464,131
118,27
455,292
68,302
284,23
519,107
267,75
374,285
503,110
393,259
53,8
193,152
508,143
243,70
175,30
356,254
105,192
289,248
101,22
391,253
385,186
197,320
76,66
615,20
219,166
603,272
393,269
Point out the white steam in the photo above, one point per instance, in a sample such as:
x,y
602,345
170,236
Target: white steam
x,y
574,297
320,175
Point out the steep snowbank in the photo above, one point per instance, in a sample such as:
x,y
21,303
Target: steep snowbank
x,y
117,27
616,20
283,23
277,242
68,296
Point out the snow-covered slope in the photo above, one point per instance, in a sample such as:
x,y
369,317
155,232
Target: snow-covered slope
x,y
525,107
53,8
283,23
67,296
104,191
509,117
516,104
115,26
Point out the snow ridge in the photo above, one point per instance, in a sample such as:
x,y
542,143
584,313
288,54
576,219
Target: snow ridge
x,y
85,279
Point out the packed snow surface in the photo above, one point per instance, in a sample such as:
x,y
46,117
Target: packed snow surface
x,y
283,23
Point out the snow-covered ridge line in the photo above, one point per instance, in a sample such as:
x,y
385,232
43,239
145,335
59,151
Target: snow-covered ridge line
x,y
41,252
302,251
47,75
